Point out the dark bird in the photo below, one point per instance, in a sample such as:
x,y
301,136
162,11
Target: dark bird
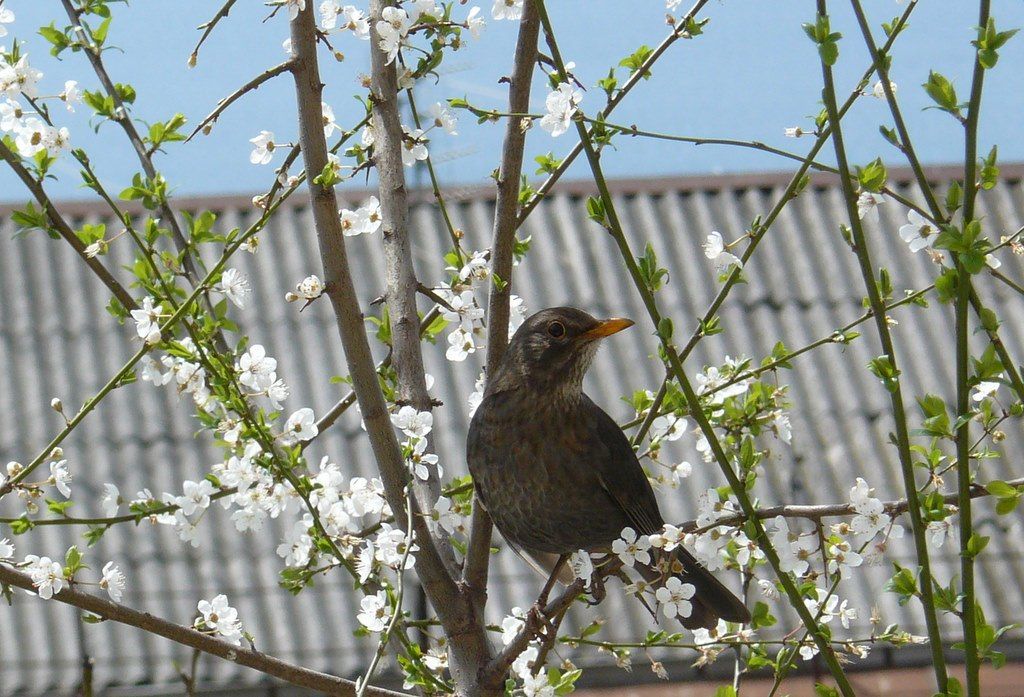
x,y
556,473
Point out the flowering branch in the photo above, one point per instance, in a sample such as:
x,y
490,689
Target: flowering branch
x,y
64,230
503,238
614,227
399,276
468,640
832,510
92,52
893,386
187,636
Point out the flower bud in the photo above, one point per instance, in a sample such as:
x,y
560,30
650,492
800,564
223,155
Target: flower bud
x,y
57,405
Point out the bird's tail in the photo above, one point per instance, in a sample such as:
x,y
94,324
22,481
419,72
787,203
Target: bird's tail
x,y
711,600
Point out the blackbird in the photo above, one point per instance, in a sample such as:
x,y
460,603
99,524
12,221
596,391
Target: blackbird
x,y
557,474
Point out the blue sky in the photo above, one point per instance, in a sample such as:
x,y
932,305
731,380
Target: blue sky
x,y
752,74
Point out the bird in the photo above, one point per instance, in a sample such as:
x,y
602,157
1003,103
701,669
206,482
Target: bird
x,y
557,474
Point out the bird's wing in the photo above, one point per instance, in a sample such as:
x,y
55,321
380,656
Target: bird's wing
x,y
619,471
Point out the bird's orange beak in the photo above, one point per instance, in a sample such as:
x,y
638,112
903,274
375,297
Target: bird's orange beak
x,y
608,327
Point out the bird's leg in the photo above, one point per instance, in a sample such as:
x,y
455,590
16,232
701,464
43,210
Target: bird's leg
x,y
537,618
542,599
596,589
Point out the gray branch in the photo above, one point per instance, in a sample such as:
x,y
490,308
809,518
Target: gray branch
x,y
470,648
506,223
186,636
399,276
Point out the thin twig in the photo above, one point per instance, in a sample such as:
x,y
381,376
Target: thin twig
x,y
266,75
207,28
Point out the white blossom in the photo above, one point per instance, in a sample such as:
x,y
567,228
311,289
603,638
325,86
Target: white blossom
x,y
714,249
878,91
294,7
460,345
71,94
475,23
220,618
668,427
443,118
867,205
632,548
6,17
507,9
110,501
871,517
256,368
301,425
195,496
939,531
919,233
985,389
47,575
560,105
60,476
113,581
147,320
263,148
373,611
668,538
414,148
512,624
675,597
582,566
6,549
234,286
392,29
413,423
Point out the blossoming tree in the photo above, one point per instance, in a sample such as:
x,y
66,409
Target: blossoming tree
x,y
413,518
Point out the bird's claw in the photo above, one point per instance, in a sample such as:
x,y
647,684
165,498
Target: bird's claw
x,y
538,623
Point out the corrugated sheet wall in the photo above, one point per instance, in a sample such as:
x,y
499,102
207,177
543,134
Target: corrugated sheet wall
x,y
56,340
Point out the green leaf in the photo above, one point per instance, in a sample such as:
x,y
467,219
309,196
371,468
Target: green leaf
x,y
595,210
954,197
821,690
976,544
872,177
1000,489
635,61
942,92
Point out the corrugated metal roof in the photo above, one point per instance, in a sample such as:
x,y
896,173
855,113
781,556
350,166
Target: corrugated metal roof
x,y
804,283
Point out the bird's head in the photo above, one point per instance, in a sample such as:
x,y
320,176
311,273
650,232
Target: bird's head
x,y
552,350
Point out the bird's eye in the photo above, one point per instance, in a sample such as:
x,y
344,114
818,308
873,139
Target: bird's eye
x,y
556,329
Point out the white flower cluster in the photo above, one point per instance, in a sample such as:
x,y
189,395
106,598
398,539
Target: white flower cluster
x,y
466,313
416,425
48,577
31,134
219,618
532,685
187,375
715,250
560,106
364,220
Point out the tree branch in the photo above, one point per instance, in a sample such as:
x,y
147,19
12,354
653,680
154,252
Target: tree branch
x,y
506,223
831,510
399,275
268,74
92,52
186,636
466,632
64,230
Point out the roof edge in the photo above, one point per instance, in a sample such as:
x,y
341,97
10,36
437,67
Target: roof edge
x,y
578,187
